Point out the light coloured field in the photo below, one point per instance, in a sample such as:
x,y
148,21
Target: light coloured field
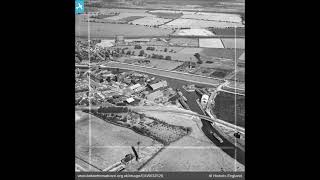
x,y
106,43
195,23
190,51
238,43
150,21
128,14
193,32
169,11
214,17
242,57
210,43
107,10
109,143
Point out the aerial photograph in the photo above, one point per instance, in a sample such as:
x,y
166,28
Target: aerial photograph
x,y
160,86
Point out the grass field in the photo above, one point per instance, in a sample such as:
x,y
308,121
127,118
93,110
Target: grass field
x,y
150,21
231,31
214,17
238,43
109,143
130,18
221,53
210,43
185,41
103,30
195,23
166,15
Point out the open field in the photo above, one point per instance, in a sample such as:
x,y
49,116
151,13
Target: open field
x,y
193,32
231,6
214,17
210,43
230,31
238,43
166,15
150,21
190,51
156,63
195,23
130,18
239,77
129,14
194,152
109,143
184,42
221,53
225,104
103,30
176,53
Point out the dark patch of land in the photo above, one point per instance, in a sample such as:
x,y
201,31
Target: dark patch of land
x,y
224,108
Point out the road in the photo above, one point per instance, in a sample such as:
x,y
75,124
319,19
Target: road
x,y
170,74
161,72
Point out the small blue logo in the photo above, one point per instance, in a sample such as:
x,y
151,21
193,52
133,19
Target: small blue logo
x,y
79,6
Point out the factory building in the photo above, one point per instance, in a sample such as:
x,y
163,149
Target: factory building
x,y
158,85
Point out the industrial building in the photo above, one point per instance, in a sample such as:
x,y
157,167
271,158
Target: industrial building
x,y
158,85
154,95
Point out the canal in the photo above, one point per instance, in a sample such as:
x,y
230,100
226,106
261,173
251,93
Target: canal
x,y
207,128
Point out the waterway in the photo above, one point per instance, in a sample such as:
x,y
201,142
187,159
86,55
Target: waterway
x,y
207,128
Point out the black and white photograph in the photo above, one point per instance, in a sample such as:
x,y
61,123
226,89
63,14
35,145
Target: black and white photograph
x,y
160,86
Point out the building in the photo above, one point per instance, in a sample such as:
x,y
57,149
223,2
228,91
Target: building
x,y
135,86
158,85
139,89
130,100
204,100
119,39
154,95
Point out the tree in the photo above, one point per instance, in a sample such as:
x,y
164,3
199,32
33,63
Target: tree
x,y
168,58
132,52
160,57
122,51
128,52
197,55
137,47
165,50
141,53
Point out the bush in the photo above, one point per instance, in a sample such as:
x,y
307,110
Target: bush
x,y
168,58
150,48
141,53
137,47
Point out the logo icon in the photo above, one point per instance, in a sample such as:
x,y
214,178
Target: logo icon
x,y
79,6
